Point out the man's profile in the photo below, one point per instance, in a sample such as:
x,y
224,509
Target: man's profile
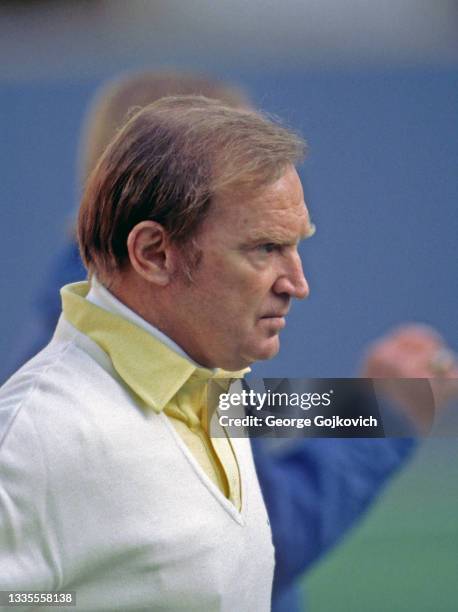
x,y
239,248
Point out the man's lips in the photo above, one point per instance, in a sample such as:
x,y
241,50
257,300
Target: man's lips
x,y
275,320
275,315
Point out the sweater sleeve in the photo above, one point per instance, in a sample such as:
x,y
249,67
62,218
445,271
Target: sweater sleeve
x,y
27,554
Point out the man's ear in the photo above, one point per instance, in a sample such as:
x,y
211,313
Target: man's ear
x,y
150,252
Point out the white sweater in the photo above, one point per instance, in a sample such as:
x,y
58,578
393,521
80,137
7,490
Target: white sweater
x,y
97,497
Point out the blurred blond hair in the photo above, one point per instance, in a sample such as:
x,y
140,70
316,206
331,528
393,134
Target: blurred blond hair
x,y
117,99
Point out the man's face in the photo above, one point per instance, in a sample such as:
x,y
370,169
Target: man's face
x,y
232,313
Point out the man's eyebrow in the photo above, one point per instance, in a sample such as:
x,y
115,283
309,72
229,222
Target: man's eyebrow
x,y
279,237
269,235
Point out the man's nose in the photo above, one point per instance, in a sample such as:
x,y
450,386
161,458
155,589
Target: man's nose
x,y
292,281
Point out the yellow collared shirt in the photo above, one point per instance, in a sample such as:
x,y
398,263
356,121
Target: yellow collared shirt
x,y
159,379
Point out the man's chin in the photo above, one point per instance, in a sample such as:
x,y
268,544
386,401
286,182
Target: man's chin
x,y
268,349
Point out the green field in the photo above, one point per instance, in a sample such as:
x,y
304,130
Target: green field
x,y
404,556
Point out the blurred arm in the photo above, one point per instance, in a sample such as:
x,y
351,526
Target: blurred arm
x,y
317,489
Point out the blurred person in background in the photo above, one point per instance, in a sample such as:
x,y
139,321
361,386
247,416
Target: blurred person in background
x,y
317,488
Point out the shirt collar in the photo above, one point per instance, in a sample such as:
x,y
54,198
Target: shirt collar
x,y
102,297
155,370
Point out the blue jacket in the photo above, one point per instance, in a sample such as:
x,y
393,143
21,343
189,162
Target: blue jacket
x,y
314,489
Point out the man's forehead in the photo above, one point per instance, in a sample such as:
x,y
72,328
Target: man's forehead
x,y
281,210
280,225
278,207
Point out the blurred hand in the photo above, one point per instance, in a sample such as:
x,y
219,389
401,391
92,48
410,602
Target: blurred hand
x,y
410,352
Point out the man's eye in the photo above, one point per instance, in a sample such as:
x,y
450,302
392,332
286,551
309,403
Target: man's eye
x,y
268,247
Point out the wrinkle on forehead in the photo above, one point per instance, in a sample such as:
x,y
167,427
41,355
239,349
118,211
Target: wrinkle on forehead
x,y
277,212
